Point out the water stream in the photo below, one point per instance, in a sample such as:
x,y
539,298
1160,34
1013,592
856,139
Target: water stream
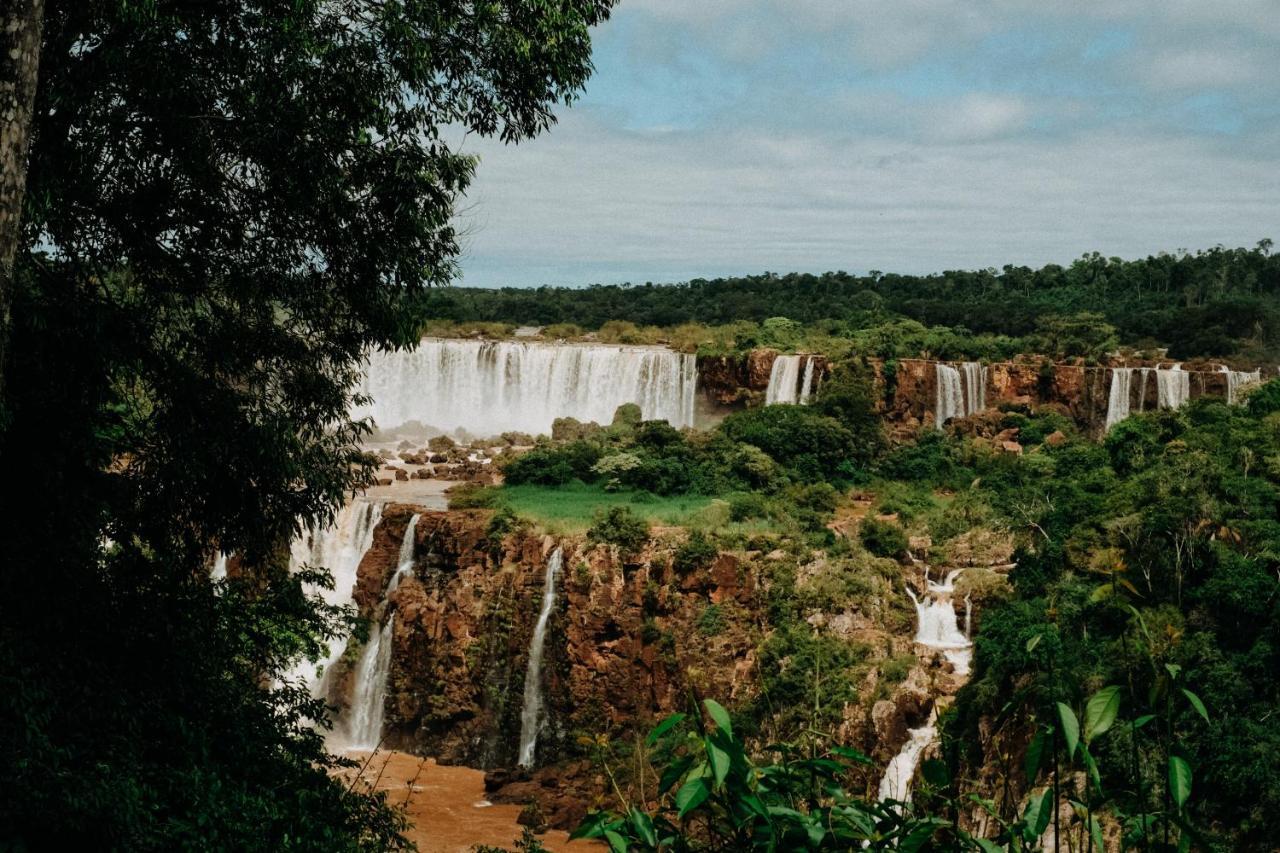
x,y
531,713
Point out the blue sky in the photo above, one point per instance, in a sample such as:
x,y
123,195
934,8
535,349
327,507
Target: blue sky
x,y
735,136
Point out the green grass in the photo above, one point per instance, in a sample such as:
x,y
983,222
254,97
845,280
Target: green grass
x,y
570,508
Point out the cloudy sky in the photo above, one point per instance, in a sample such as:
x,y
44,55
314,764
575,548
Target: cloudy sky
x,y
735,136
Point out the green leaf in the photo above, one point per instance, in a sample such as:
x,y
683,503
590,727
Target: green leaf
x,y
719,762
617,843
1179,780
663,727
935,773
1033,642
1070,729
719,714
1100,713
691,795
1095,834
1035,752
643,826
989,846
1038,814
916,839
1197,704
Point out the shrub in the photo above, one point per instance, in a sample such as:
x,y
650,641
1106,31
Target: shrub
x,y
472,496
554,466
618,525
697,552
883,538
711,620
747,505
812,445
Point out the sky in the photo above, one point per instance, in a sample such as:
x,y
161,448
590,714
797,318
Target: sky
x,y
723,137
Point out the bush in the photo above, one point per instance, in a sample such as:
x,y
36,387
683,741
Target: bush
x,y
618,525
812,445
472,496
697,552
554,466
744,506
883,538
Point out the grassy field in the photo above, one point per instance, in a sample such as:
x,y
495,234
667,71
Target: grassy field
x,y
569,508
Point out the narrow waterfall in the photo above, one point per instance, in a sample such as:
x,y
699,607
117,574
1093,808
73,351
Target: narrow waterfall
x,y
1173,387
489,387
531,713
404,566
784,380
896,782
1237,379
369,695
806,387
219,570
936,628
975,387
338,547
949,402
1118,398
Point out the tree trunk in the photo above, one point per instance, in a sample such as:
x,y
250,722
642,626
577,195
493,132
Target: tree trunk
x,y
21,22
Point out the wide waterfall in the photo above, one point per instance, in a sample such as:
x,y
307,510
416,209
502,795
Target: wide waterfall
x,y
339,548
960,392
1173,387
531,713
369,695
784,380
488,387
1237,379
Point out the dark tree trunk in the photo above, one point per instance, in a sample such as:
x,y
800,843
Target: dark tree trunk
x,y
20,25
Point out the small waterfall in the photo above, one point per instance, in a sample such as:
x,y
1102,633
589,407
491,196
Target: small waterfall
x,y
489,387
404,566
896,782
937,626
949,396
975,387
219,570
531,713
1238,378
369,695
1145,373
1118,398
806,387
338,547
784,380
1173,387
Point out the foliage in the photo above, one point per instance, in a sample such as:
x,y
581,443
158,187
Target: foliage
x,y
228,206
883,538
695,553
619,525
811,445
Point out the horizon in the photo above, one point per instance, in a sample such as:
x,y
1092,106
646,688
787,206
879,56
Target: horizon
x,y
813,136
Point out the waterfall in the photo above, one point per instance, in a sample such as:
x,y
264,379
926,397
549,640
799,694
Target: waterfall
x,y
369,695
531,713
975,387
784,380
1237,378
937,626
1173,387
339,547
949,396
489,387
806,387
896,782
1118,398
404,566
219,570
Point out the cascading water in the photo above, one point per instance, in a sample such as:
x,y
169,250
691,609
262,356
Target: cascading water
x,y
784,380
1173,387
404,566
806,386
338,547
949,401
489,387
369,695
219,570
896,782
1118,397
531,713
936,628
975,387
1237,379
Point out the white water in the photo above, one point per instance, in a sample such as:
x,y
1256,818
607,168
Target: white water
x,y
1238,378
339,548
369,695
937,626
531,713
489,387
404,565
896,782
1173,387
806,386
975,387
949,396
1118,397
219,570
784,380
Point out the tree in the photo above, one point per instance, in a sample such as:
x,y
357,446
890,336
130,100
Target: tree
x,y
228,205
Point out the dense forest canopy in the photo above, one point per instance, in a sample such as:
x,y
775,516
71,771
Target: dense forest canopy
x,y
1212,302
